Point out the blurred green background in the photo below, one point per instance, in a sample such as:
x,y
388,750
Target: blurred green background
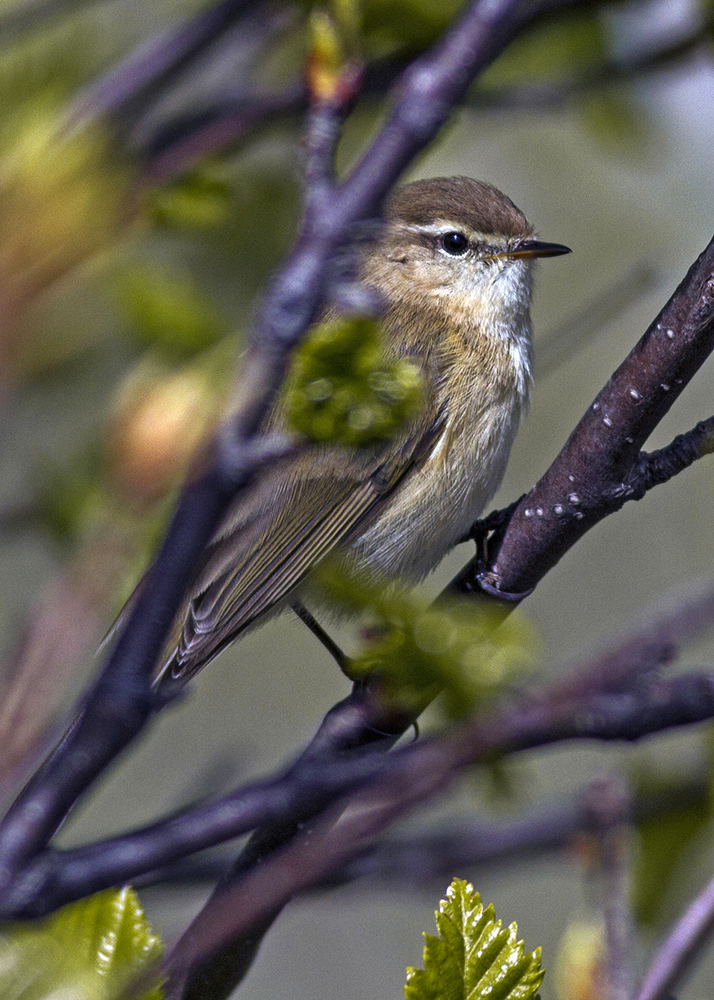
x,y
107,367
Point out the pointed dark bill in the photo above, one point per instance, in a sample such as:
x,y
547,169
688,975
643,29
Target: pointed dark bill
x,y
536,248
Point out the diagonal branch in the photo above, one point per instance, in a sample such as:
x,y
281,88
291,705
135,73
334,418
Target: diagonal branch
x,y
657,467
121,701
421,772
601,467
678,951
410,862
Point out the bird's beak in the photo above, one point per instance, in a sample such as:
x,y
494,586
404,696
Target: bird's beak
x,y
535,248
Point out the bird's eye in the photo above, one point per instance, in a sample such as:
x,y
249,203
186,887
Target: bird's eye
x,y
455,243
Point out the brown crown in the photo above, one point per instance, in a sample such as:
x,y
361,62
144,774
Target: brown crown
x,y
480,207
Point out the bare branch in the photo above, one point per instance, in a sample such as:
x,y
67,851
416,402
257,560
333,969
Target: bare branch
x,y
417,774
211,127
674,957
607,802
155,64
659,466
598,469
121,701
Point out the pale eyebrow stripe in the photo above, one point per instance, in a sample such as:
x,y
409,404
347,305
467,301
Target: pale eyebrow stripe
x,y
446,226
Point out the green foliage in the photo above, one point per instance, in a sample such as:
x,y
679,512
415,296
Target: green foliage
x,y
70,496
411,24
168,311
343,389
42,69
552,50
419,648
89,950
474,955
665,844
196,200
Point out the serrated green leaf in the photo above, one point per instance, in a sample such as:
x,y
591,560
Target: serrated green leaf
x,y
89,950
474,956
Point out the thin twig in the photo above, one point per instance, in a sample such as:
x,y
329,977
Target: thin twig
x,y
417,772
471,845
155,64
657,467
607,802
178,142
674,957
121,701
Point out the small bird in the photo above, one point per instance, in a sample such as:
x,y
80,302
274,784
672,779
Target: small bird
x,y
452,263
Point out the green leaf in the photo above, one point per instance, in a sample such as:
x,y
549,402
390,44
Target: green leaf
x,y
168,311
344,390
89,950
550,51
413,24
420,648
474,955
196,200
666,842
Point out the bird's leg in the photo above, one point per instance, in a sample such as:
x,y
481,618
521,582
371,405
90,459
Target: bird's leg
x,y
488,534
495,524
342,660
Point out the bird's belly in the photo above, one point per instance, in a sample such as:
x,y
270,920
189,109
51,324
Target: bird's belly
x,y
440,501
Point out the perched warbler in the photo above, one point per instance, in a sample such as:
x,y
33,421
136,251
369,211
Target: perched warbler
x,y
452,264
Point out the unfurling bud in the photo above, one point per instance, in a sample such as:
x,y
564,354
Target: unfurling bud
x,y
333,69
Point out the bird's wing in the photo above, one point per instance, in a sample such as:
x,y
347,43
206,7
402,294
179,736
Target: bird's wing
x,y
254,562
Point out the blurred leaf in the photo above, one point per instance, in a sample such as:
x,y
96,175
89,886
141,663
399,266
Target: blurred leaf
x,y
419,648
44,68
411,24
665,842
474,956
550,50
62,201
197,200
71,496
159,419
332,68
579,969
168,311
610,118
89,950
342,388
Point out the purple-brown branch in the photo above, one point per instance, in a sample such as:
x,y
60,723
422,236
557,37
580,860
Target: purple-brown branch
x,y
422,772
602,467
607,802
676,954
122,701
471,845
